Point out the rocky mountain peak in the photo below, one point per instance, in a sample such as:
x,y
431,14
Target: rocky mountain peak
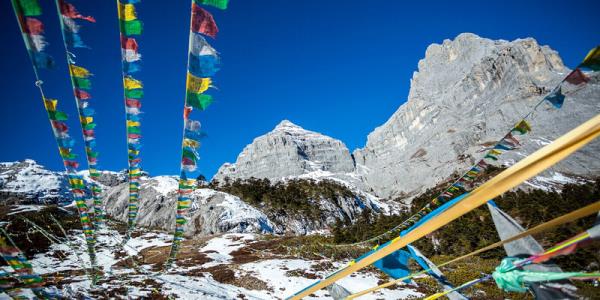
x,y
288,150
467,92
287,125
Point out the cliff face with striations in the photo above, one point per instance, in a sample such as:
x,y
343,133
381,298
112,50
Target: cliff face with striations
x,y
467,93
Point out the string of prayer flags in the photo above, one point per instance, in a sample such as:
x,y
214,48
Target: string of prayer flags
x,y
15,258
133,93
75,180
24,9
202,64
592,59
32,30
81,84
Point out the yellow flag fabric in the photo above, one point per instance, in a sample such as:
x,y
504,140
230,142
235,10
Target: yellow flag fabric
x,y
74,181
132,123
86,120
131,83
593,55
80,72
50,104
64,151
190,143
127,12
197,85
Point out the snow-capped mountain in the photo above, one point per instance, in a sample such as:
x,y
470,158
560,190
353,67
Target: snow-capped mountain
x,y
26,181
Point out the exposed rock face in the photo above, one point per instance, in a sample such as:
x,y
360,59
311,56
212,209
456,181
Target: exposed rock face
x,y
469,92
289,150
212,212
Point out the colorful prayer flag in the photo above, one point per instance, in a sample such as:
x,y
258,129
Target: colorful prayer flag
x,y
203,22
556,98
592,59
577,77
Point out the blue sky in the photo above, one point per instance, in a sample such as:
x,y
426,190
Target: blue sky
x,y
337,67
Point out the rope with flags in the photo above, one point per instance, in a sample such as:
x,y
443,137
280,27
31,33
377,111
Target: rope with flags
x,y
465,183
130,26
506,180
31,29
561,220
203,63
81,84
15,258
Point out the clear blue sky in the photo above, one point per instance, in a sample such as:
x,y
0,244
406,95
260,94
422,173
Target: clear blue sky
x,y
337,67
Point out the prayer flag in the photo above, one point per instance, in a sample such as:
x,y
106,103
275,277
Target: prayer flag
x,y
556,98
203,22
577,77
592,59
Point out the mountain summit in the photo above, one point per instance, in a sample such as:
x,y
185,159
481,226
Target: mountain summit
x,y
288,150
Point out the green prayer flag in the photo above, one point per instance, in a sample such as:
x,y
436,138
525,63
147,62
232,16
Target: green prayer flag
x,y
89,126
134,129
92,154
68,155
220,4
199,101
189,154
30,8
133,27
134,94
57,115
82,83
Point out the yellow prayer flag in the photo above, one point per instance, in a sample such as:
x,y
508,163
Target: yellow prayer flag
x,y
75,181
134,152
134,171
64,151
50,104
77,71
86,120
132,123
190,143
197,85
131,83
127,12
593,55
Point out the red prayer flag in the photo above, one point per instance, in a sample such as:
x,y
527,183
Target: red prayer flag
x,y
203,22
129,43
186,112
187,162
82,95
133,103
577,77
72,164
60,126
134,136
32,26
68,10
88,132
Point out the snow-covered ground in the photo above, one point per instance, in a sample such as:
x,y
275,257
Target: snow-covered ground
x,y
229,266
